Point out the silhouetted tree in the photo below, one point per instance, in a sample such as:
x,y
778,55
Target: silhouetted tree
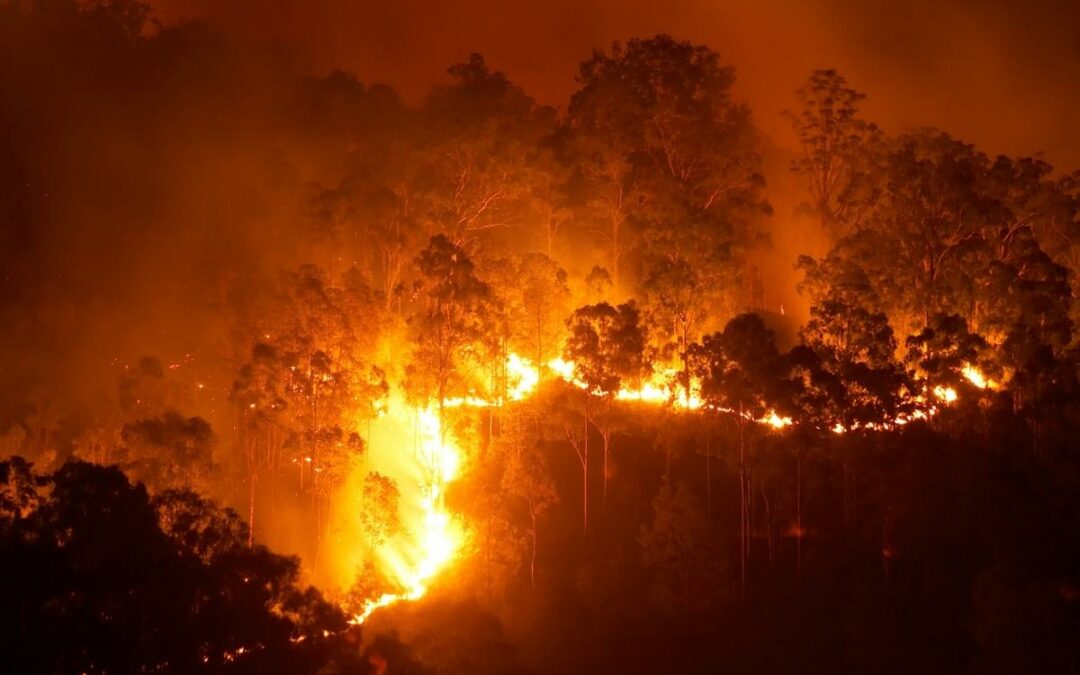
x,y
677,545
607,347
738,369
839,152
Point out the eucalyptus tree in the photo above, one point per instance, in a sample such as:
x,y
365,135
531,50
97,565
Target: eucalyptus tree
x,y
453,317
839,152
662,146
476,151
738,369
607,347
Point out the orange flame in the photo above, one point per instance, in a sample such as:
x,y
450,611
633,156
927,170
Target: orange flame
x,y
432,538
435,538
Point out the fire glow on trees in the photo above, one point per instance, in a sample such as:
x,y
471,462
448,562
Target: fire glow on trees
x,y
433,538
430,537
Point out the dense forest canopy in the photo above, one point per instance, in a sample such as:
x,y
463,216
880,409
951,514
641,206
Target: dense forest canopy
x,y
514,388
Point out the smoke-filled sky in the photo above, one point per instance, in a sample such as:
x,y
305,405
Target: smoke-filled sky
x,y
130,190
1003,74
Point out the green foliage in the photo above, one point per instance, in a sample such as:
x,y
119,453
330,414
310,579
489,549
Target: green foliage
x,y
944,348
865,384
738,368
169,451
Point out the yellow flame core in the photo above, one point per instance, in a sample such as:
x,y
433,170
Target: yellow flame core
x,y
523,377
436,538
946,394
975,376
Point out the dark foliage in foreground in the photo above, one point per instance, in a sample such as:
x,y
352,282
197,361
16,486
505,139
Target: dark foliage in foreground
x,y
100,578
683,541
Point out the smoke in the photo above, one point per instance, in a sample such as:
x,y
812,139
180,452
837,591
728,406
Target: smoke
x,y
137,194
131,186
999,73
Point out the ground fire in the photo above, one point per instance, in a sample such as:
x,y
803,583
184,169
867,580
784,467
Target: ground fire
x,y
434,338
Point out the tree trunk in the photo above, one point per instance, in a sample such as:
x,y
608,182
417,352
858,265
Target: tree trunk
x,y
532,559
885,553
798,515
539,347
606,435
251,509
615,218
744,544
252,474
585,473
846,479
708,472
768,526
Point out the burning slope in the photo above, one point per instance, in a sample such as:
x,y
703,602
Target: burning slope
x,y
408,446
411,446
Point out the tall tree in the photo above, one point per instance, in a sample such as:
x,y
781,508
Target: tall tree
x,y
131,584
380,520
527,477
675,308
838,152
738,370
658,140
607,347
943,349
454,313
480,136
536,299
678,546
170,451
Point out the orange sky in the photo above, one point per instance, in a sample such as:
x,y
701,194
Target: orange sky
x,y
1001,73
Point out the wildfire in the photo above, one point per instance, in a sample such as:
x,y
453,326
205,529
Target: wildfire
x,y
657,389
776,421
565,370
946,394
439,542
975,376
523,377
434,538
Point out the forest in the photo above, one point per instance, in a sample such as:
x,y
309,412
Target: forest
x,y
300,375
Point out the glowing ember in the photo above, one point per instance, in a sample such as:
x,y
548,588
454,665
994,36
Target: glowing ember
x,y
975,376
775,421
946,394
